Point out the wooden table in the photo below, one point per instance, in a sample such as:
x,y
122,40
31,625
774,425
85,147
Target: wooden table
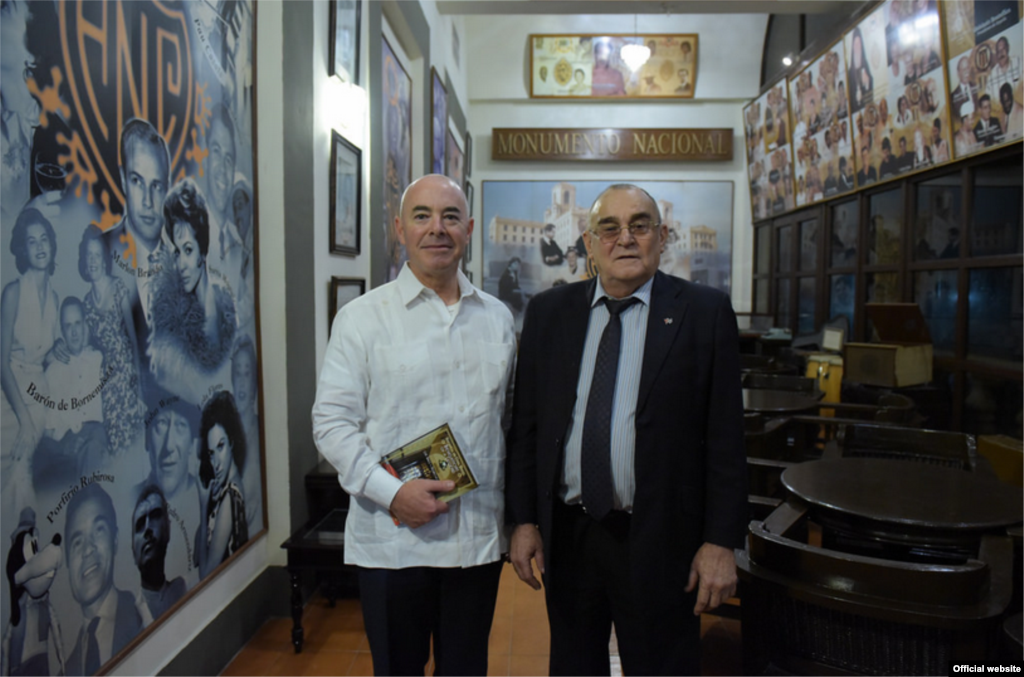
x,y
779,402
317,547
923,507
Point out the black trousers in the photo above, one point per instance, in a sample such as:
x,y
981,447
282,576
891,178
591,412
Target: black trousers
x,y
588,590
403,608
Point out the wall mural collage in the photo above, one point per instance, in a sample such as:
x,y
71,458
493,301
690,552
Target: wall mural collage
x,y
131,461
875,104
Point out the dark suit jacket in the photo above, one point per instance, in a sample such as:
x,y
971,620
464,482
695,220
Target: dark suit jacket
x,y
127,624
690,464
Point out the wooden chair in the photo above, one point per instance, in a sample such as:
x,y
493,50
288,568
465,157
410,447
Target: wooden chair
x,y
811,610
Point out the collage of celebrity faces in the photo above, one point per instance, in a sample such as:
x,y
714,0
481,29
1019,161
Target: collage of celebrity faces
x,y
983,43
129,433
768,161
822,139
897,95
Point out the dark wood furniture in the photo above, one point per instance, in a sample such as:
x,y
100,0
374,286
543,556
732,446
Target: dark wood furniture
x,y
319,546
779,402
903,509
813,610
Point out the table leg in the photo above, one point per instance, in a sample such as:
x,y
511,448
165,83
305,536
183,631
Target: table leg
x,y
297,632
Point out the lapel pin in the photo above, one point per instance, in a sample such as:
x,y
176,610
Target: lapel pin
x,y
668,320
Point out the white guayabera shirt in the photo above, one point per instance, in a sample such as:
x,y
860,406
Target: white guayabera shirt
x,y
399,364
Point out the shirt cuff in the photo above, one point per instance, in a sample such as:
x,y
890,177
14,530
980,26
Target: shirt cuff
x,y
381,487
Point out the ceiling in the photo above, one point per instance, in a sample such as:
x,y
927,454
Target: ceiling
x,y
647,6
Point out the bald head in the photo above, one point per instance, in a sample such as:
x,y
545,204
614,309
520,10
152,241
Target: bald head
x,y
430,183
595,208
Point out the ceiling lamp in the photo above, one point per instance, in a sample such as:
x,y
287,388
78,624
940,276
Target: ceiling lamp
x,y
636,55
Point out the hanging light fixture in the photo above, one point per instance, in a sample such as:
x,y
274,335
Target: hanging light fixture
x,y
636,55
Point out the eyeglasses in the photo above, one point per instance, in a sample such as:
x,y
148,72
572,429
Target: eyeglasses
x,y
638,229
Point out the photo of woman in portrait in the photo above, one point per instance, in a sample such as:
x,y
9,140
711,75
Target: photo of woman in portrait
x,y
862,83
223,528
108,313
194,322
29,334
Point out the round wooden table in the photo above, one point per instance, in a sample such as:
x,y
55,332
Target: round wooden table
x,y
905,502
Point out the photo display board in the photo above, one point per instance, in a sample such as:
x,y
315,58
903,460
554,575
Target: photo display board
x,y
822,138
983,43
591,66
769,154
897,91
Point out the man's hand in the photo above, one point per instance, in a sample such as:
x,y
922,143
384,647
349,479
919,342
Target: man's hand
x,y
527,545
415,504
715,568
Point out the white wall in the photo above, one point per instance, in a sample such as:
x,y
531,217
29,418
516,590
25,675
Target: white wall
x,y
728,78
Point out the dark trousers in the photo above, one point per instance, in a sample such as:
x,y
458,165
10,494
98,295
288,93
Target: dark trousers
x,y
403,608
589,589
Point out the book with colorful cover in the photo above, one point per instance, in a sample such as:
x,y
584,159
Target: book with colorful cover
x,y
433,456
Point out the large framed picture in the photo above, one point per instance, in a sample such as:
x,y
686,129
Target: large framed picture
x,y
146,442
523,255
396,118
344,57
984,47
346,189
439,122
769,158
592,66
343,290
456,160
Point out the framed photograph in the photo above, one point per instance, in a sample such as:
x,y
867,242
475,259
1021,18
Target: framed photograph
x,y
346,188
343,290
344,58
456,166
439,122
591,67
396,118
469,156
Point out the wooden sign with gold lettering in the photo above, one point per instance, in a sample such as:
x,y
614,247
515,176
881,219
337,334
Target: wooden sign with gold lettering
x,y
611,145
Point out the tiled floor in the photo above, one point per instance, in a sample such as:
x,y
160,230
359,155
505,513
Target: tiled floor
x,y
336,644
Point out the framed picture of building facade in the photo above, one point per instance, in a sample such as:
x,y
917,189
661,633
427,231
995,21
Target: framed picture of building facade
x,y
344,57
133,337
346,189
397,124
534,234
592,66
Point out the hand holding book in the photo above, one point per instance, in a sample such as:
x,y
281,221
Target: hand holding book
x,y
431,464
416,502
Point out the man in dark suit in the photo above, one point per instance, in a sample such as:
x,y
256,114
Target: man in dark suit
x,y
109,616
626,482
867,173
988,130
